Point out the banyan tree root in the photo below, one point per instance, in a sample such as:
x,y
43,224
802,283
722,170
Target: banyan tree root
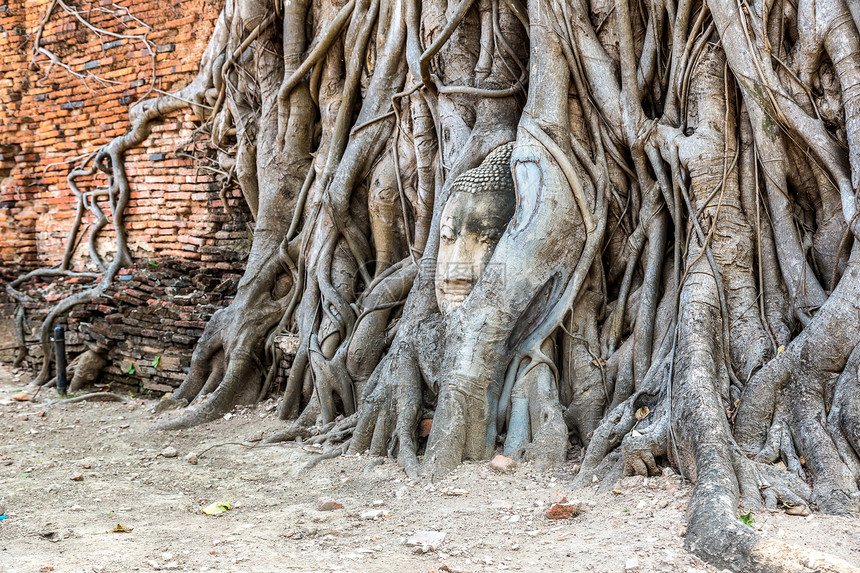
x,y
83,370
86,368
675,283
93,397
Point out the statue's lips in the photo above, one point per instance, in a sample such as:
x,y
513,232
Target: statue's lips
x,y
456,288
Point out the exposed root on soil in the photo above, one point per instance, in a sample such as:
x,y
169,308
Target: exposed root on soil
x,y
92,397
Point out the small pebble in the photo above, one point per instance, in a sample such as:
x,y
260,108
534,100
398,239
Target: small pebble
x,y
328,504
502,464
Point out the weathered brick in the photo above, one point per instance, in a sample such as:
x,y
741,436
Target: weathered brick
x,y
174,212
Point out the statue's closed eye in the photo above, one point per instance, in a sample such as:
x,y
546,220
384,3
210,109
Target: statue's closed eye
x,y
447,234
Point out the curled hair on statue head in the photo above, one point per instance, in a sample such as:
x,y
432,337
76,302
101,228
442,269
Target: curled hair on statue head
x,y
491,176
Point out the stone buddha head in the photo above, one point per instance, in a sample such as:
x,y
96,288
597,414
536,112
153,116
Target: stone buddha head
x,y
478,209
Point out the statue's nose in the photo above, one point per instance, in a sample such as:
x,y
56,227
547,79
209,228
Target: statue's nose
x,y
462,264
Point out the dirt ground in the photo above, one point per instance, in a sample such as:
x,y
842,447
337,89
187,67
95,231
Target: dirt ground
x,y
490,521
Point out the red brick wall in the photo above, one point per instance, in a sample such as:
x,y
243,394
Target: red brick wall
x,y
189,252
48,117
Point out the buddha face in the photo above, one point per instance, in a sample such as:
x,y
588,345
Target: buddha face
x,y
471,226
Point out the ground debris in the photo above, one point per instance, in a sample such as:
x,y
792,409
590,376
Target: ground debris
x,y
328,504
425,541
800,510
503,464
562,510
424,427
120,528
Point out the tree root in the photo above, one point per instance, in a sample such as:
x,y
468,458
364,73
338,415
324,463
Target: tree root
x,y
535,427
93,397
388,420
86,368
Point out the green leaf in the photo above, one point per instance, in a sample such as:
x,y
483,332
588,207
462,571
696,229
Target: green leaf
x,y
216,508
157,361
747,519
130,369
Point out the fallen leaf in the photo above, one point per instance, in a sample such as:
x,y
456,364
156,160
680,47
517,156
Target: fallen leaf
x,y
216,508
642,412
120,528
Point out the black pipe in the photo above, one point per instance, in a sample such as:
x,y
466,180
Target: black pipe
x,y
60,353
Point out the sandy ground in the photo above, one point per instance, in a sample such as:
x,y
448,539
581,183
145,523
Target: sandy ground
x,y
490,521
